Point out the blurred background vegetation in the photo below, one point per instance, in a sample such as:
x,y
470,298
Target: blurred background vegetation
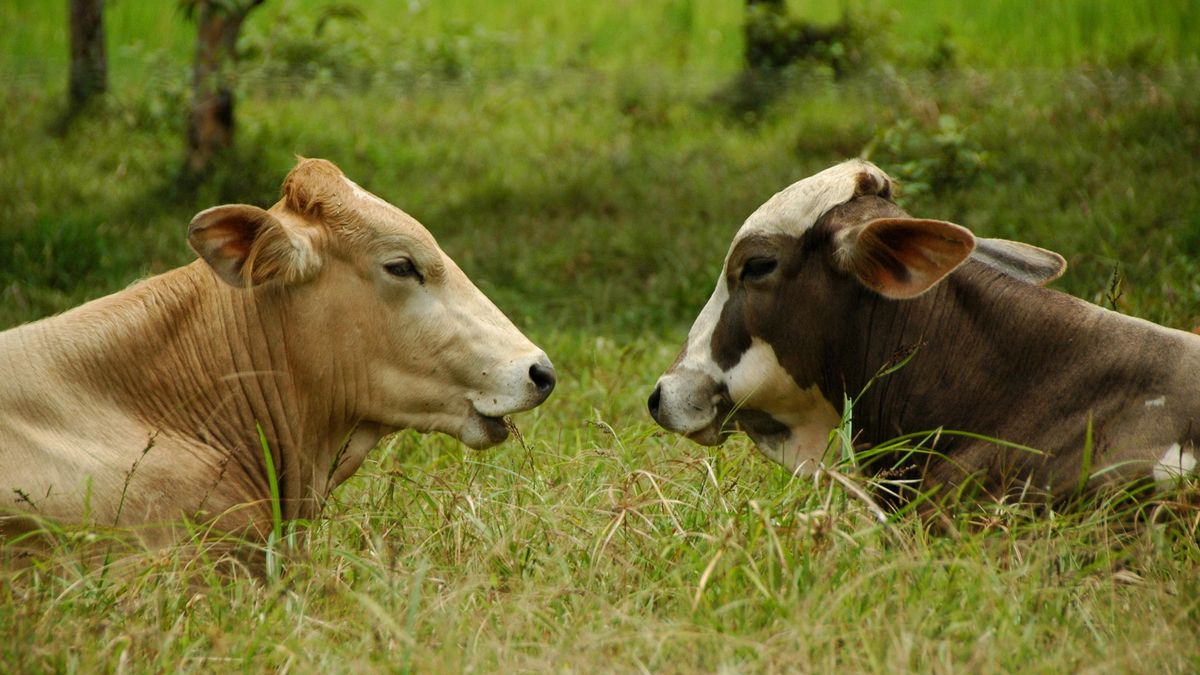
x,y
587,162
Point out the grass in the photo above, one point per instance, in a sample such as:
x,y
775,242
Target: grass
x,y
688,35
632,551
573,159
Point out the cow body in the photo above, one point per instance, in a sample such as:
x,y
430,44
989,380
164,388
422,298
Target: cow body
x,y
832,285
314,328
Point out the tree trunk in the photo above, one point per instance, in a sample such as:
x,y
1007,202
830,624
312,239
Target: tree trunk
x,y
210,121
89,65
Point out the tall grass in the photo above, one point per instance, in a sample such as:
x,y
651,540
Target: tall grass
x,y
606,544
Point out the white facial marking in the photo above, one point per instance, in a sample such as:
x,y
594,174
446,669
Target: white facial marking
x,y
792,211
1159,402
796,208
759,382
698,351
1174,464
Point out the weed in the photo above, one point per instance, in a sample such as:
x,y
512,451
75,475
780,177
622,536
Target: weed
x,y
930,160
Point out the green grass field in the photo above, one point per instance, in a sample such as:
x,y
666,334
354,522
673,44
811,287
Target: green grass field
x,y
577,160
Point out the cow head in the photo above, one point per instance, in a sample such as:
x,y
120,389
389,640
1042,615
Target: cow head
x,y
754,357
375,312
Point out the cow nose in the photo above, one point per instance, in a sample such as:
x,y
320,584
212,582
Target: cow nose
x,y
655,398
543,377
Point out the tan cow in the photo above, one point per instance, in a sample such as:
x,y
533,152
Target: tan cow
x,y
328,320
829,283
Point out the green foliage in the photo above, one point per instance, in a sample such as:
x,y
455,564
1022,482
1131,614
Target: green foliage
x,y
774,39
60,256
935,160
569,157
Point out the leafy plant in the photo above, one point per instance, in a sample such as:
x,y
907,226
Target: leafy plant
x,y
935,159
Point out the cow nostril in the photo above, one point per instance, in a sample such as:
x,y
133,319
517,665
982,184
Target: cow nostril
x,y
655,398
543,378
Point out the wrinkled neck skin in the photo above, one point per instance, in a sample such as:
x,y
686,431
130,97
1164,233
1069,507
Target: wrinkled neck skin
x,y
192,370
1003,359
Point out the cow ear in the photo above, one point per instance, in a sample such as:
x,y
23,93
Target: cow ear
x,y
903,257
1024,262
247,246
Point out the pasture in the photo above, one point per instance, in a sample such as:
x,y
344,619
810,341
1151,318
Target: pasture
x,y
582,163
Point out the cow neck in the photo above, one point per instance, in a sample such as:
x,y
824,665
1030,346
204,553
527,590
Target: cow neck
x,y
198,360
983,342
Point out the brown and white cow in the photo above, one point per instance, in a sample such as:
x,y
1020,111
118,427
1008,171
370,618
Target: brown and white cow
x,y
829,283
327,320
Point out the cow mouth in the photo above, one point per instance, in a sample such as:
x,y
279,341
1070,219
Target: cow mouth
x,y
497,427
711,436
719,429
484,431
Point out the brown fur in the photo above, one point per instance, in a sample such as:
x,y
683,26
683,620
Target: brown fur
x,y
991,355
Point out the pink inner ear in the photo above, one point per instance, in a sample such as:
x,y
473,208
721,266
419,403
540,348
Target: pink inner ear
x,y
224,237
231,242
230,239
234,248
904,257
932,252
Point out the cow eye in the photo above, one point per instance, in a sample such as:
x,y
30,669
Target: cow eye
x,y
403,269
757,268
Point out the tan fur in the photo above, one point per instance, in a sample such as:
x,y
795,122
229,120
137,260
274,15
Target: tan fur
x,y
144,406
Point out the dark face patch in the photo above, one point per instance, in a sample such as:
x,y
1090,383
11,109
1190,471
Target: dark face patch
x,y
778,284
800,306
761,426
